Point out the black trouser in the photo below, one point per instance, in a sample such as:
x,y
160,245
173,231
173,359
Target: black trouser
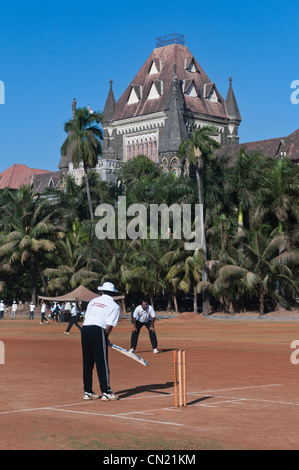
x,y
135,334
43,317
95,351
73,321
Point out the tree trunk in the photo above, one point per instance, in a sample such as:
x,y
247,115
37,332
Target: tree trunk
x,y
88,195
41,275
231,307
33,282
261,303
194,300
175,304
205,294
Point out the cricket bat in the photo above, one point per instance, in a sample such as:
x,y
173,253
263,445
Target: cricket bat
x,y
129,354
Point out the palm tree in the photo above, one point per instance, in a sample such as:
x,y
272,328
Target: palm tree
x,y
142,270
173,262
262,262
197,151
84,141
72,270
193,276
29,233
250,185
283,204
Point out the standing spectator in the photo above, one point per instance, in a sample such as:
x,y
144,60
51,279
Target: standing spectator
x,y
74,319
62,308
56,312
67,311
53,306
144,315
14,308
2,308
31,310
43,312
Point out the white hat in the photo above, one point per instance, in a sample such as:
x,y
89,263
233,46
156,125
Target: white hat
x,y
107,286
74,304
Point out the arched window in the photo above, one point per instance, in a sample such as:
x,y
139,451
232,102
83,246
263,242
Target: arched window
x,y
155,150
129,151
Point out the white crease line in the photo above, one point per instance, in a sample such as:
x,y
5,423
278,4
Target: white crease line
x,y
277,402
237,388
238,400
136,413
116,416
150,397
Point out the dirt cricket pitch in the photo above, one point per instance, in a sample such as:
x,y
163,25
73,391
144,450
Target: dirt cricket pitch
x,y
242,388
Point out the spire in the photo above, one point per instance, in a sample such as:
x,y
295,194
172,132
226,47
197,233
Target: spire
x,y
231,104
65,160
175,129
109,106
74,107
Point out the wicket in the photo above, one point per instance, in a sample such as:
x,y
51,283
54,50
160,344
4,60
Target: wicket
x,y
179,372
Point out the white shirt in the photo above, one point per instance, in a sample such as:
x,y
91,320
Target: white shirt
x,y
32,307
2,306
74,311
102,311
43,309
144,315
14,307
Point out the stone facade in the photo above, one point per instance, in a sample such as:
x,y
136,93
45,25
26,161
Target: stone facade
x,y
169,95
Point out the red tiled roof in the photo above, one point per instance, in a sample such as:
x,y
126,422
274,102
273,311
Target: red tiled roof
x,y
43,181
18,175
169,55
269,147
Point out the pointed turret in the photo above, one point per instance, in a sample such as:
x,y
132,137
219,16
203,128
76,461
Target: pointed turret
x,y
231,104
108,141
109,106
175,128
234,115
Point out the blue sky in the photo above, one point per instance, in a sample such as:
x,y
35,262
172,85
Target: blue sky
x,y
53,51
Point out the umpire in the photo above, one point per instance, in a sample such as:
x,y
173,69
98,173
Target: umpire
x,y
101,316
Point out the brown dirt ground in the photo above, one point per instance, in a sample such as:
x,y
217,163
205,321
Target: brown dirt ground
x,y
242,388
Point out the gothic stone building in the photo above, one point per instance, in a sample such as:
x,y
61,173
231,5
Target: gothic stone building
x,y
169,95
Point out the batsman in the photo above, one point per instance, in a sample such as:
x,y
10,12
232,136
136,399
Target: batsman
x,y
101,317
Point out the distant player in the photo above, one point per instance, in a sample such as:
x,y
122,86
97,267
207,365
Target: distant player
x,y
31,311
144,315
